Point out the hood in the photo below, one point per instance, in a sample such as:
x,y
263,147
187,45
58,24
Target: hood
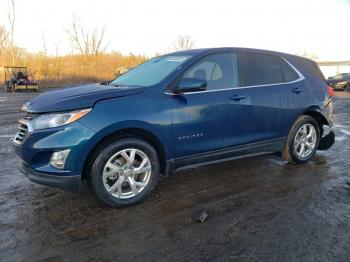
x,y
76,97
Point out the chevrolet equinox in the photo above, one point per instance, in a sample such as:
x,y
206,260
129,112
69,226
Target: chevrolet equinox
x,y
175,111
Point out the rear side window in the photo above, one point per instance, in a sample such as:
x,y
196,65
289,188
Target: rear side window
x,y
266,69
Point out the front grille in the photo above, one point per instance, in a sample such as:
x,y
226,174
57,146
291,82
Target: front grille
x,y
22,133
23,128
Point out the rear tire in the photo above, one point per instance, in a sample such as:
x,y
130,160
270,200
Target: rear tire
x,y
302,141
125,172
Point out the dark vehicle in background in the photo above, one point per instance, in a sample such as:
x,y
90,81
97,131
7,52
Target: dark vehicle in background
x,y
175,111
339,81
17,79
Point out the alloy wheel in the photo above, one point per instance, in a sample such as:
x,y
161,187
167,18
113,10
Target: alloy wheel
x,y
305,141
127,173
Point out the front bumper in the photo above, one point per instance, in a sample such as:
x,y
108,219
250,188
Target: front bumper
x,y
69,183
37,148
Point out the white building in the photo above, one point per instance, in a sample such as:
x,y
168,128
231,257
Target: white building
x,y
333,68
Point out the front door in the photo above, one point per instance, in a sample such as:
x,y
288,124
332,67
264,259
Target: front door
x,y
199,117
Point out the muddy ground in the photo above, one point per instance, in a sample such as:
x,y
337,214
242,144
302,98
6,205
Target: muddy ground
x,y
260,209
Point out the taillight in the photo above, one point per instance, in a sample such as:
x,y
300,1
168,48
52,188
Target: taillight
x,y
330,91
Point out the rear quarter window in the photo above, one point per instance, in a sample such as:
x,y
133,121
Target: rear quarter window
x,y
312,68
264,69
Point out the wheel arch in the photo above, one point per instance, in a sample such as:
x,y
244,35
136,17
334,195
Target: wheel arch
x,y
315,113
140,133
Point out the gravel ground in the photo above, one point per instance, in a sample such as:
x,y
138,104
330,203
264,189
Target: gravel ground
x,y
259,209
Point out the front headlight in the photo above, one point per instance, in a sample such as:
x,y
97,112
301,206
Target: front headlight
x,y
57,119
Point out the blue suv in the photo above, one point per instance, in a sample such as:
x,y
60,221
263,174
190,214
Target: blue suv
x,y
172,112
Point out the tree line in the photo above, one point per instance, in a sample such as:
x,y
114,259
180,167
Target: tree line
x,y
88,61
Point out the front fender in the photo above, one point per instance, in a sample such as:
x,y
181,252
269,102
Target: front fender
x,y
98,137
149,128
150,114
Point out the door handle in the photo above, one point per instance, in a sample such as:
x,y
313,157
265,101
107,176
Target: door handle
x,y
297,90
237,97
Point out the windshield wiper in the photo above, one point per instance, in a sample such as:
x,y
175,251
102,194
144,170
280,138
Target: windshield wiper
x,y
116,85
105,83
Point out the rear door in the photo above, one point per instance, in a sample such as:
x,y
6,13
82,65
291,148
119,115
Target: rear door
x,y
269,102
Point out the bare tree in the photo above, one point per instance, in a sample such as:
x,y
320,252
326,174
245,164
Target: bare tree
x,y
183,42
306,54
45,56
12,18
3,39
57,62
89,43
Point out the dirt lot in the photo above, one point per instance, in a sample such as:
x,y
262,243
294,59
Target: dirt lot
x,y
260,209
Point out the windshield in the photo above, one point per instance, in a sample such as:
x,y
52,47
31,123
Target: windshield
x,y
151,72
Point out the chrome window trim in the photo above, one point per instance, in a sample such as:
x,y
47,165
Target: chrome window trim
x,y
300,78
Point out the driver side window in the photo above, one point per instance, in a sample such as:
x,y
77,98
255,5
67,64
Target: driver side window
x,y
219,70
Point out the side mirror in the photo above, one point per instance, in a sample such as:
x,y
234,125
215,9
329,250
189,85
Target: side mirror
x,y
190,85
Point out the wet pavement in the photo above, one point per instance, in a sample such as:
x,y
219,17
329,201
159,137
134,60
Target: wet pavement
x,y
259,209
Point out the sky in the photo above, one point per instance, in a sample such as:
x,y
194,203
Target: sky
x,y
147,27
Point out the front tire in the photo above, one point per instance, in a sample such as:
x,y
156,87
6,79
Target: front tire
x,y
125,172
302,141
